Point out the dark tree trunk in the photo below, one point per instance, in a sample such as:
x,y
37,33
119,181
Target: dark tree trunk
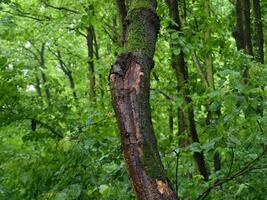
x,y
259,31
129,81
91,67
186,117
67,72
33,124
38,87
211,115
246,26
242,33
43,75
239,33
123,12
171,123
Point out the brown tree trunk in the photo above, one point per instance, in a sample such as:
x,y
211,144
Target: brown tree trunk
x,y
242,33
185,117
129,81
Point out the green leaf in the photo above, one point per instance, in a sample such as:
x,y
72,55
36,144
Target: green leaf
x,y
176,51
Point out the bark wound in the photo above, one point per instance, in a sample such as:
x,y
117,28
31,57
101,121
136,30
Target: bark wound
x,y
125,79
163,187
127,87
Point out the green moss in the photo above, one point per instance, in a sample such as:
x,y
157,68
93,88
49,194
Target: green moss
x,y
150,163
141,4
137,38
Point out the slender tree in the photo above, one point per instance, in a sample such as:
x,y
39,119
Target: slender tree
x,y
258,31
212,115
66,70
185,116
91,67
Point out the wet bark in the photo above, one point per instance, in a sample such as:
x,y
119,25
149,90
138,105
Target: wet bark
x,y
130,87
185,117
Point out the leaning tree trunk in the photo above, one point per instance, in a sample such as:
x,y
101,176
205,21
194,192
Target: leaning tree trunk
x,y
129,81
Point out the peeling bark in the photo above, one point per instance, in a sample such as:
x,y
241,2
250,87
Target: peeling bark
x,y
129,82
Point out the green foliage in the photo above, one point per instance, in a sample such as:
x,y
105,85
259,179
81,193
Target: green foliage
x,y
66,148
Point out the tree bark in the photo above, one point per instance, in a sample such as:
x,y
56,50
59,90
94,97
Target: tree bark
x,y
129,82
185,117
122,10
259,31
91,67
246,26
242,33
239,33
43,75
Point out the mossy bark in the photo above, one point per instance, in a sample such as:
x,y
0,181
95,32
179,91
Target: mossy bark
x,y
129,81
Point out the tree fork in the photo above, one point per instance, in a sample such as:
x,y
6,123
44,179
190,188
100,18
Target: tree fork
x,y
129,82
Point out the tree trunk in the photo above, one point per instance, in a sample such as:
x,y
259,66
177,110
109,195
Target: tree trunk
x,y
129,81
37,86
186,117
170,112
212,115
259,31
246,26
239,33
43,75
242,33
91,68
67,72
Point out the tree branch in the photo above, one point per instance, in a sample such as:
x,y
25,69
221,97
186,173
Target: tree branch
x,y
59,7
245,169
